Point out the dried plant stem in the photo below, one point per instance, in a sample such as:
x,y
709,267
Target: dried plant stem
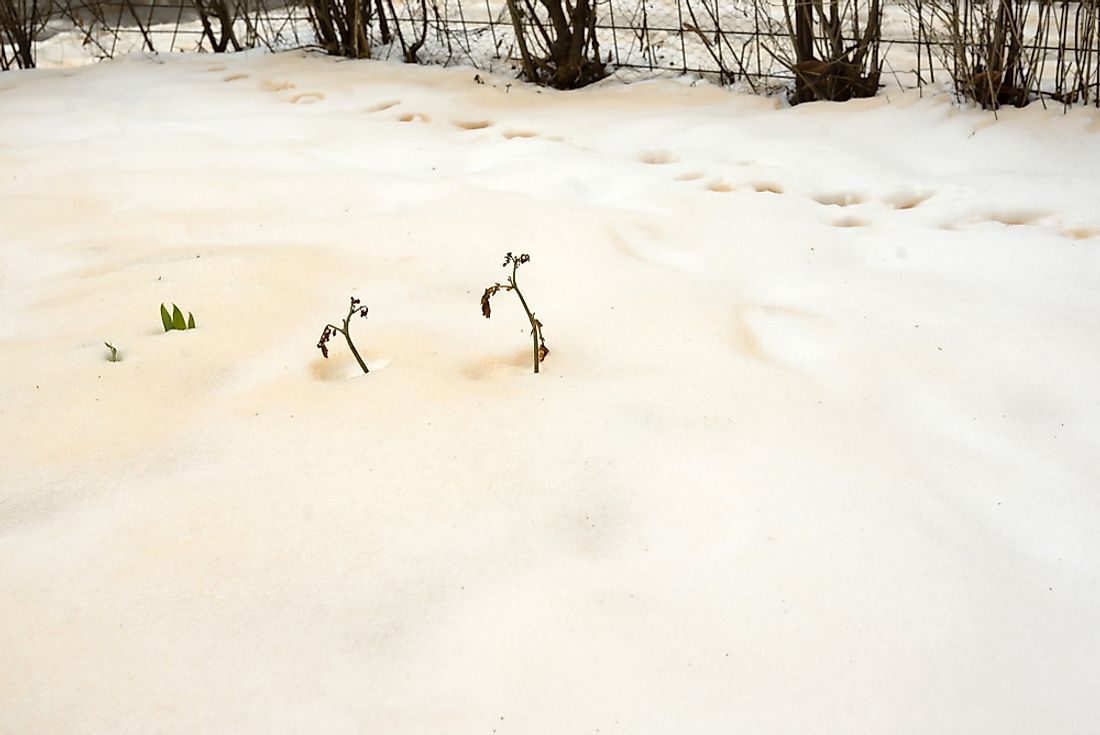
x,y
539,350
346,331
536,325
331,329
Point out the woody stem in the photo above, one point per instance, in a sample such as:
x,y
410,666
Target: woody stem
x,y
535,332
346,331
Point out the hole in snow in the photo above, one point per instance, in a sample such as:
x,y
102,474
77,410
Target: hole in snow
x,y
276,85
851,222
417,116
658,156
720,185
1080,233
1020,217
510,134
307,98
907,199
382,106
473,124
839,199
765,187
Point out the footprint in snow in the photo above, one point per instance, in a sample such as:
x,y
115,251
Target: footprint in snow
x,y
415,117
1015,218
907,198
513,134
851,222
382,106
658,156
472,124
767,187
1080,232
839,199
234,77
720,185
275,85
306,98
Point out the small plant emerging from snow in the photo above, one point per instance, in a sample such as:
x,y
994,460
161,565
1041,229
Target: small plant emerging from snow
x,y
331,330
175,320
113,356
539,348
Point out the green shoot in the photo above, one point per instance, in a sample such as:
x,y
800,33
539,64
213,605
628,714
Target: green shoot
x,y
175,320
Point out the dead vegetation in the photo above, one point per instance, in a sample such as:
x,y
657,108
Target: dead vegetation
x,y
990,52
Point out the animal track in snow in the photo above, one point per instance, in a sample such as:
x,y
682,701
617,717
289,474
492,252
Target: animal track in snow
x,y
306,98
234,77
851,222
907,198
689,176
512,134
766,187
658,156
839,199
472,124
1080,232
1017,217
415,117
381,106
719,185
276,85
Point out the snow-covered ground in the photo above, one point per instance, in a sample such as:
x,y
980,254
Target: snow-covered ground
x,y
814,451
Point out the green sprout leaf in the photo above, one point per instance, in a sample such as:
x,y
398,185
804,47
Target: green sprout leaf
x,y
190,320
177,318
165,319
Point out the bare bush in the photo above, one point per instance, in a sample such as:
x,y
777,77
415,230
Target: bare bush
x,y
350,27
557,42
993,52
982,46
108,26
1011,52
20,23
833,48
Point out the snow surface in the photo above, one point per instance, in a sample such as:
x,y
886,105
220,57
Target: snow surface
x,y
814,451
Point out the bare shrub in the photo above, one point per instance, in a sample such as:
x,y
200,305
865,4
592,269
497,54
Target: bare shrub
x,y
834,48
991,50
20,23
349,27
557,42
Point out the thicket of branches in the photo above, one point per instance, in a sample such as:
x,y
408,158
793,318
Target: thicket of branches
x,y
351,28
992,52
20,25
826,64
1012,52
557,41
